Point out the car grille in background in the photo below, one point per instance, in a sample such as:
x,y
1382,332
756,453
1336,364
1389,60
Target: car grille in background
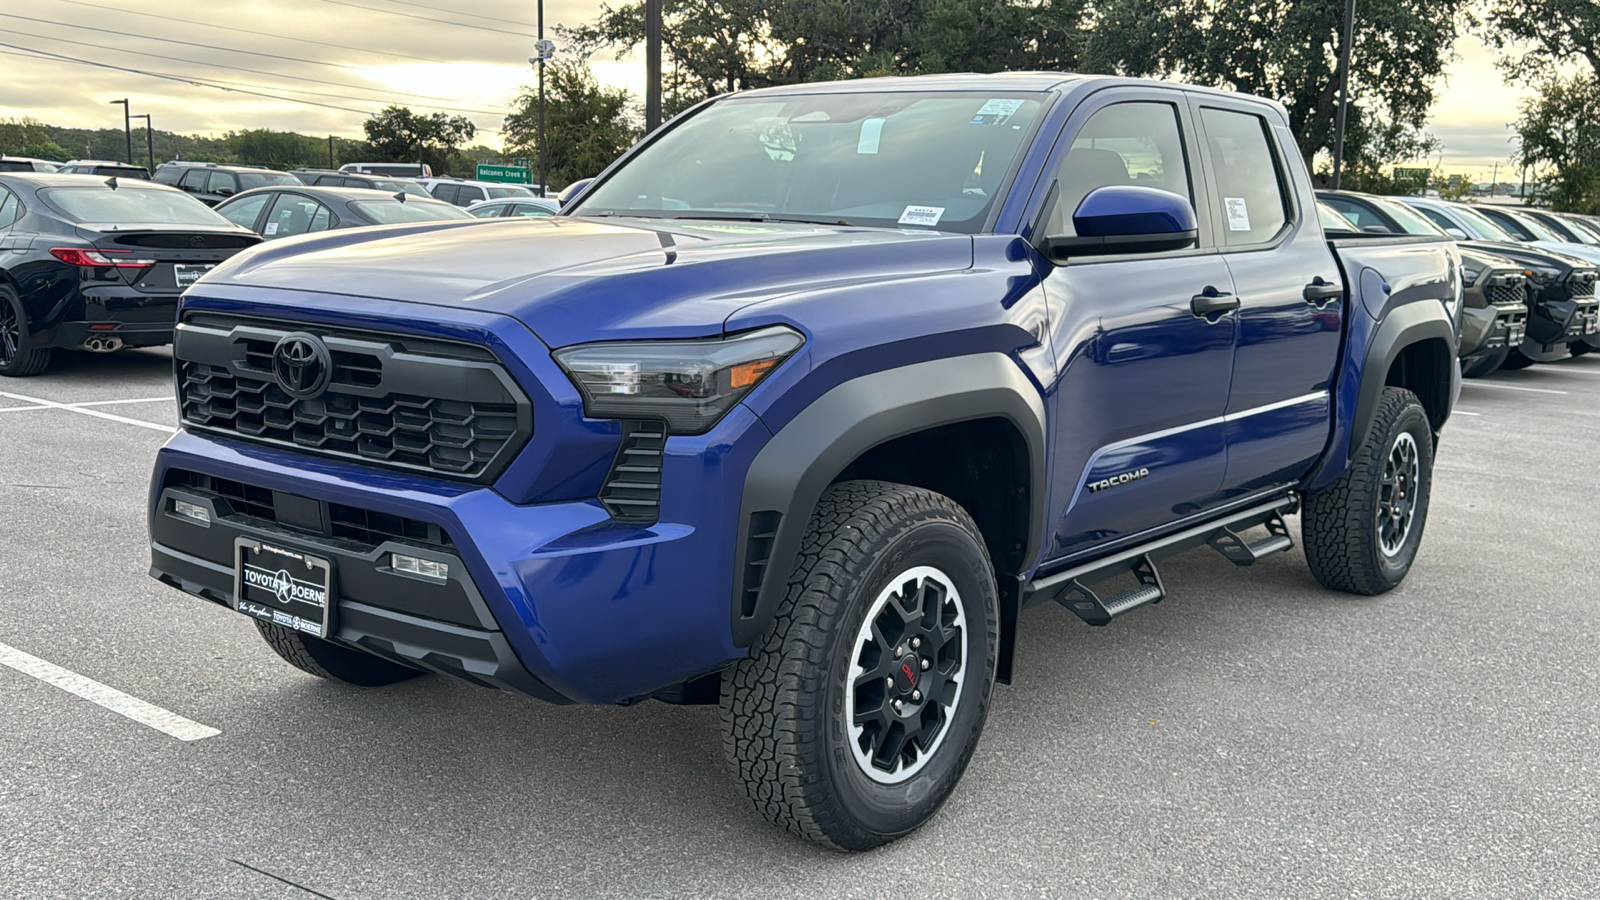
x,y
1506,290
425,406
632,490
350,523
1582,284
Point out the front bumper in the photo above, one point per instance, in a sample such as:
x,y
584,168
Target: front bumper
x,y
554,600
1489,329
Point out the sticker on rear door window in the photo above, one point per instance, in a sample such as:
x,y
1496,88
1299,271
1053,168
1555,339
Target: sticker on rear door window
x,y
922,215
1238,213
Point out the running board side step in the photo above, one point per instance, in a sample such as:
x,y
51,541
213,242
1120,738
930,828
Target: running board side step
x,y
1072,587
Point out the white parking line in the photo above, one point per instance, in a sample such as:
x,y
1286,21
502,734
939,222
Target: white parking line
x,y
1511,387
169,723
1462,412
82,409
4,409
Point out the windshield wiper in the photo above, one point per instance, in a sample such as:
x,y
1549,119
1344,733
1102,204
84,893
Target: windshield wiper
x,y
764,217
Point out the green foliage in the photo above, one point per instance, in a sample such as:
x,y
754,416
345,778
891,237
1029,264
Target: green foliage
x,y
1559,132
586,125
1538,34
399,135
1459,191
1289,50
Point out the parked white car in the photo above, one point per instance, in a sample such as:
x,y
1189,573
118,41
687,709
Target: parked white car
x,y
465,193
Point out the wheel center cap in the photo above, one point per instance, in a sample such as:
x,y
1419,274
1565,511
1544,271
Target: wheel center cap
x,y
907,671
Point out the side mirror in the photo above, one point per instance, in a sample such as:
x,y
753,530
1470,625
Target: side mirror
x,y
1127,219
572,190
225,192
1456,233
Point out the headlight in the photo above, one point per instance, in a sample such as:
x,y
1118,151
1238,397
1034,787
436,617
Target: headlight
x,y
1470,274
690,384
1543,273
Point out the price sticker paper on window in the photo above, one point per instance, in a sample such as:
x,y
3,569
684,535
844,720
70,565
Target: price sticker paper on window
x,y
1238,213
871,134
922,215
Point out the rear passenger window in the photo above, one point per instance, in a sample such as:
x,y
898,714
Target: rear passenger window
x,y
194,179
329,181
1249,182
1136,143
293,214
445,192
220,183
10,210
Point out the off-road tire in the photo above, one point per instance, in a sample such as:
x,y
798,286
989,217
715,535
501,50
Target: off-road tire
x,y
325,659
24,359
1485,365
1339,525
784,730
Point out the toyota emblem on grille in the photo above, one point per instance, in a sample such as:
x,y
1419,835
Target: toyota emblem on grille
x,y
301,365
198,240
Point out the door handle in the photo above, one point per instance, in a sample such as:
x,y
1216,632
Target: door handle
x,y
1321,292
1212,302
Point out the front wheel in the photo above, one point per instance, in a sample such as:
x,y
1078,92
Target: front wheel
x,y
1361,534
855,715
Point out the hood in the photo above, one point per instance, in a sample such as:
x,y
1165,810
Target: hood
x,y
577,280
1589,254
1529,255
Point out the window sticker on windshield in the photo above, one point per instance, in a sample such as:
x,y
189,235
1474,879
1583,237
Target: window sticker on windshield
x,y
995,112
1238,214
871,132
272,228
922,215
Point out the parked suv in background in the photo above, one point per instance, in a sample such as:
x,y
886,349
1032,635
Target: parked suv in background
x,y
211,184
465,193
390,170
333,179
103,167
27,164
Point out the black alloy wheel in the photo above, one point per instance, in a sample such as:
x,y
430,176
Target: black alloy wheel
x,y
18,356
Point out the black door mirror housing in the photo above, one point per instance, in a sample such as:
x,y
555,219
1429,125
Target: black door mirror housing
x,y
1127,219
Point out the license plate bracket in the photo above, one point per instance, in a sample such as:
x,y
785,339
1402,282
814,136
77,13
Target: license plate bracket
x,y
186,275
283,586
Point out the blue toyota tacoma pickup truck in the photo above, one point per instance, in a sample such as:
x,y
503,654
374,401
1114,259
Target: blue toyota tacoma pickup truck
x,y
800,404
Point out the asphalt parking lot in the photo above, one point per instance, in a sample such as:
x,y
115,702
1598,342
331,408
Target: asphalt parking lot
x,y
1252,736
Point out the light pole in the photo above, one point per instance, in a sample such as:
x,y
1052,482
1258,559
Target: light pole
x,y
149,141
542,50
127,127
652,65
1345,50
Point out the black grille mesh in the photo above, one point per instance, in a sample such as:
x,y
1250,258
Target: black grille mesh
x,y
1582,285
1508,293
383,404
632,490
351,523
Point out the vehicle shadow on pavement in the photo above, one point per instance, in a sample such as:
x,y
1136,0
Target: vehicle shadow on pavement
x,y
81,367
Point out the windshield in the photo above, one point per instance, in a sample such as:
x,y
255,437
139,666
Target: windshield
x,y
1587,227
409,187
390,212
1480,226
497,192
1536,228
99,204
933,160
1564,228
1332,220
248,180
1407,218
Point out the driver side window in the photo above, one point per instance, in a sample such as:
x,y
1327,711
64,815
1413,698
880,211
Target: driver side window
x,y
1135,143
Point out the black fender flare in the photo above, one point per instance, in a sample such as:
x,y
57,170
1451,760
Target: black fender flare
x,y
788,476
1403,326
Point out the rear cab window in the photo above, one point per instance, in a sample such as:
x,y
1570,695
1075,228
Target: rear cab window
x,y
1249,178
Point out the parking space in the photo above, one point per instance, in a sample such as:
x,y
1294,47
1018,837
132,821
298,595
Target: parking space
x,y
1251,736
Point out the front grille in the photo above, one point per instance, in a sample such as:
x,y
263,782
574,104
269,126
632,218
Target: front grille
x,y
426,406
1506,290
350,523
1582,284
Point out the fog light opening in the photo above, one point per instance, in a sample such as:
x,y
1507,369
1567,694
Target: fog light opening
x,y
194,512
422,568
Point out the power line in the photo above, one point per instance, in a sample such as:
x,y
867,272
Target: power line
x,y
354,87
182,80
280,37
456,12
391,12
148,37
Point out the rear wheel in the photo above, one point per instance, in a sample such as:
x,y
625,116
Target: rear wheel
x,y
325,659
18,355
854,717
1485,365
1362,533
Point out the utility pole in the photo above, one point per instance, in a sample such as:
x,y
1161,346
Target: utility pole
x,y
1494,179
652,65
1345,49
127,127
149,142
330,151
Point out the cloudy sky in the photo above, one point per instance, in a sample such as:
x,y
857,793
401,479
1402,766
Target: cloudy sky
x,y
359,55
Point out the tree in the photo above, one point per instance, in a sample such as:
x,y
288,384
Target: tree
x,y
586,125
29,137
1559,133
399,135
279,149
1289,50
1538,34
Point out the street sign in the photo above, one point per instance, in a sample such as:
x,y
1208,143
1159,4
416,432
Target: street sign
x,y
504,174
1419,175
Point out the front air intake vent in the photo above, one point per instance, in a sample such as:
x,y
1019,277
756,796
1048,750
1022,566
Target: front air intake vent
x,y
1582,284
1506,290
632,492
